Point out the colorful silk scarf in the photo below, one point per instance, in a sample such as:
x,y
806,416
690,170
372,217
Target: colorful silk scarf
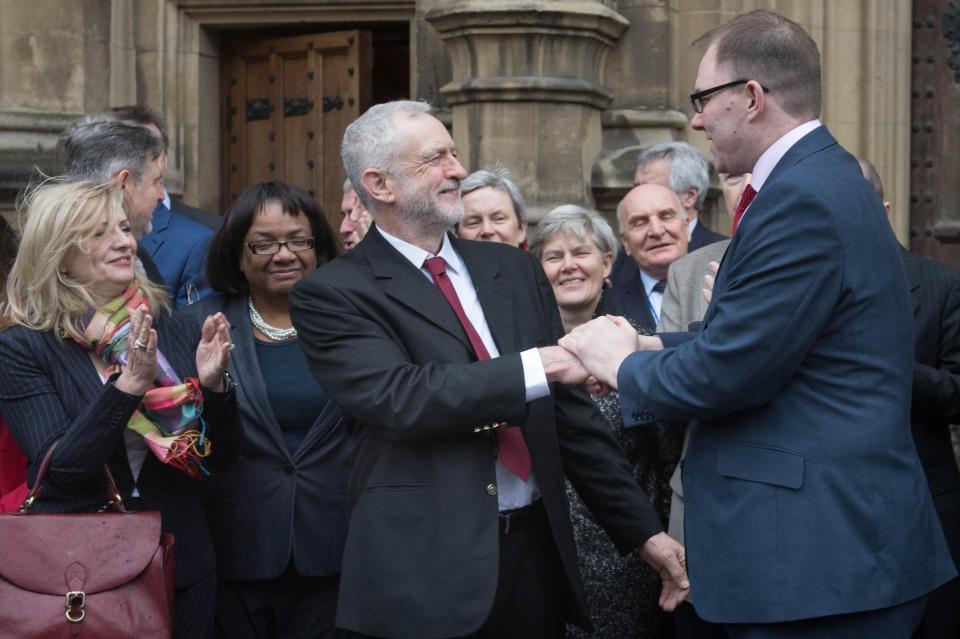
x,y
170,416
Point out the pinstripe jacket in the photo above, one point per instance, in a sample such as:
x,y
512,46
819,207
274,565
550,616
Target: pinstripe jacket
x,y
50,390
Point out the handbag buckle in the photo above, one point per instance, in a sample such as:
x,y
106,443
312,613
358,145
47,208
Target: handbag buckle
x,y
76,599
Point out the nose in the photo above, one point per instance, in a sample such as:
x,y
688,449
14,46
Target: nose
x,y
456,170
346,226
697,122
284,253
568,263
655,226
487,229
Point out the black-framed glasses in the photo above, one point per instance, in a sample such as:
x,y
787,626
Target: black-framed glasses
x,y
271,247
697,99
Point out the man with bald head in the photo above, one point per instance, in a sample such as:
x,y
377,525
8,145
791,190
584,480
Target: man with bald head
x,y
654,233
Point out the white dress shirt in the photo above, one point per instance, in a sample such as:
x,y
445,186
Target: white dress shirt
x,y
772,156
654,297
512,492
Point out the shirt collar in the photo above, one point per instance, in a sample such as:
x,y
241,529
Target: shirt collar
x,y
692,224
416,255
648,282
772,156
166,199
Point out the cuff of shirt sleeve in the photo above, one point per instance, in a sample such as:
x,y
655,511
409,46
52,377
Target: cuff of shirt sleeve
x,y
534,377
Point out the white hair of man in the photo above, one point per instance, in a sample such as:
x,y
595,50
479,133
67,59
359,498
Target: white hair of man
x,y
371,142
688,168
574,220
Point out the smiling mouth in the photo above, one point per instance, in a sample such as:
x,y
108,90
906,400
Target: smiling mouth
x,y
573,281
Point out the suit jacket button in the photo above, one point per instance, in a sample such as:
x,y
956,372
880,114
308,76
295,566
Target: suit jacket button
x,y
491,489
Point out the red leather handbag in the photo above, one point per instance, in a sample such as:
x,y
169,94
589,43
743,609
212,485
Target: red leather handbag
x,y
104,575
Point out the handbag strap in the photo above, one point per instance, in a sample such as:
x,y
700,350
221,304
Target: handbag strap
x,y
114,500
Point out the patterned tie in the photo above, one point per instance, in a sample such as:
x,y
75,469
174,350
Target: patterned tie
x,y
659,287
745,199
513,449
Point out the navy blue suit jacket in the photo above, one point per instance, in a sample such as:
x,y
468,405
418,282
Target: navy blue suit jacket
x,y
804,494
274,505
50,391
178,247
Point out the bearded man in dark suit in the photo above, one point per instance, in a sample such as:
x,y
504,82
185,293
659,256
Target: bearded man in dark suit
x,y
459,525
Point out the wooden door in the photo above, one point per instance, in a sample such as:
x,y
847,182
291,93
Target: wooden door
x,y
288,103
935,131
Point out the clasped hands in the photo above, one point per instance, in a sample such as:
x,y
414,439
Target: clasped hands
x,y
592,353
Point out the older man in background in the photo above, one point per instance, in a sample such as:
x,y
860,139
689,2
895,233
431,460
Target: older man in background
x,y
654,234
356,220
682,168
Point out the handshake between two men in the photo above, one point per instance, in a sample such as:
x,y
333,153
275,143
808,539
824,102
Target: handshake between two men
x,y
592,353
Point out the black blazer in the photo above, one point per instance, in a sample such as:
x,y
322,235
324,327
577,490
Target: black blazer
x,y
631,298
50,390
421,558
274,505
935,289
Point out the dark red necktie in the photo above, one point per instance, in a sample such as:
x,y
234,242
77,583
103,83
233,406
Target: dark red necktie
x,y
745,199
513,449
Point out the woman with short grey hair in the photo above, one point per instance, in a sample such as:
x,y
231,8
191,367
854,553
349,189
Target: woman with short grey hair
x,y
493,208
576,248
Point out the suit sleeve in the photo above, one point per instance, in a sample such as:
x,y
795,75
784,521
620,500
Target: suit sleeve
x,y
358,358
780,289
37,418
936,391
592,460
670,306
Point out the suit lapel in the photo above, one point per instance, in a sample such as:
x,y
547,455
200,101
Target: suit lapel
x,y
77,364
495,295
245,366
406,284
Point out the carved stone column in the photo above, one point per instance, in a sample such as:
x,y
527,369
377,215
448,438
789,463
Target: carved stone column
x,y
527,92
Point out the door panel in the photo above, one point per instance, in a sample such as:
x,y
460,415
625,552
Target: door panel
x,y
288,103
935,131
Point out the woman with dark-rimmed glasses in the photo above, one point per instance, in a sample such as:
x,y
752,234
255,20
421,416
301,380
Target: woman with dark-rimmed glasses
x,y
279,517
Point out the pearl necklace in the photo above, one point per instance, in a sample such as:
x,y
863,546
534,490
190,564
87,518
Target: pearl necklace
x,y
273,333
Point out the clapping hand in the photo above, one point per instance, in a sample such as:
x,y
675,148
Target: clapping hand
x,y
213,352
141,367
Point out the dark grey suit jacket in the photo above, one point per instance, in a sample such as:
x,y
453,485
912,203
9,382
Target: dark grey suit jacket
x,y
935,289
50,391
274,506
422,551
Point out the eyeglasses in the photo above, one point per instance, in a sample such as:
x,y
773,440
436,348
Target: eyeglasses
x,y
697,99
270,247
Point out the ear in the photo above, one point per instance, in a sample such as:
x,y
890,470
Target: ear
x,y
607,264
523,231
378,185
623,242
689,198
123,179
757,102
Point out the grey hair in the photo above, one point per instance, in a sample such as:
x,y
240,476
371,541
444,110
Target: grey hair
x,y
688,167
347,185
97,147
496,178
575,220
370,142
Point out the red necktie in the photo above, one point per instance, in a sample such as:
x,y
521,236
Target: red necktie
x,y
513,449
745,199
